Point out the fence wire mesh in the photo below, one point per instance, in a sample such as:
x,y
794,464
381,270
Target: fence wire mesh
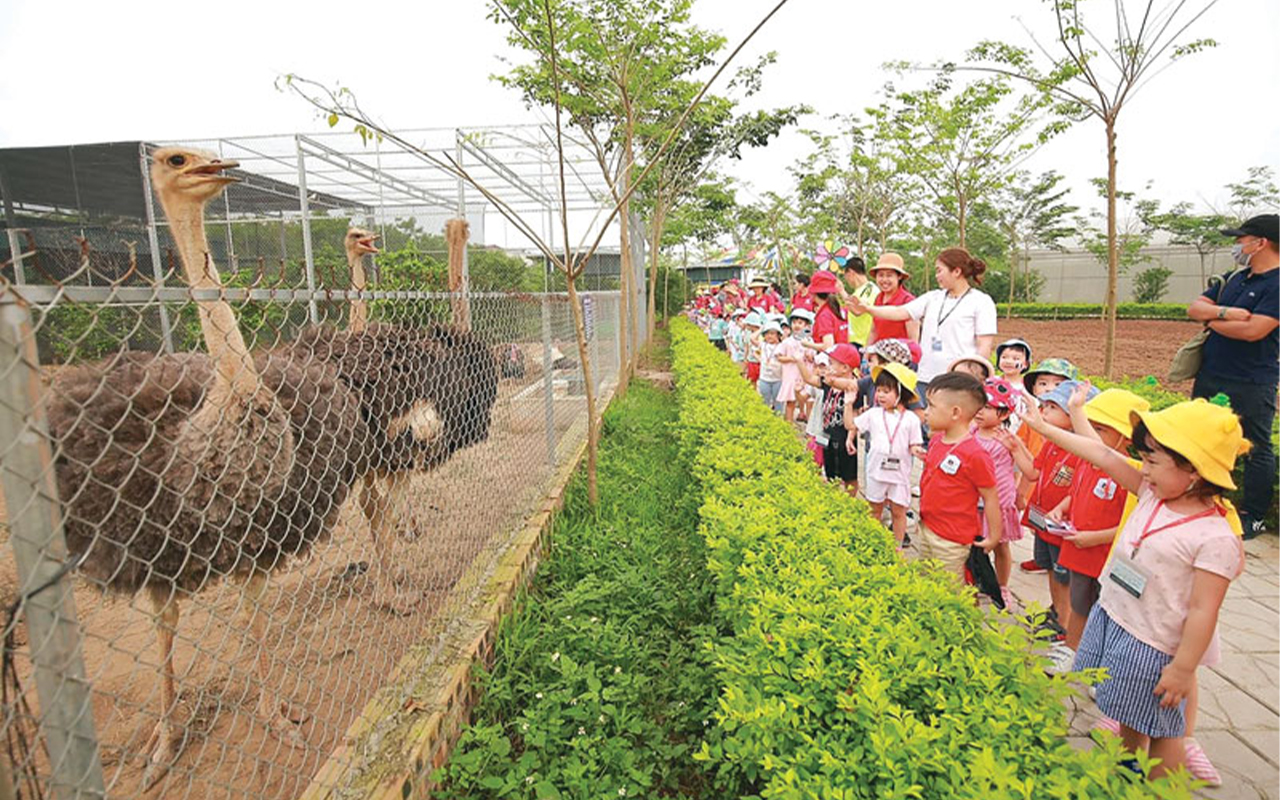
x,y
249,443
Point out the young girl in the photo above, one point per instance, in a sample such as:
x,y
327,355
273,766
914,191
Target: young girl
x,y
1157,613
750,345
790,353
770,382
839,457
817,443
894,431
990,429
1013,359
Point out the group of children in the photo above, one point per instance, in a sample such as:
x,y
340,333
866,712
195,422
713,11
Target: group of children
x,y
1137,553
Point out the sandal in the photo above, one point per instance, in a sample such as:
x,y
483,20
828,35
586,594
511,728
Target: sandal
x,y
1200,765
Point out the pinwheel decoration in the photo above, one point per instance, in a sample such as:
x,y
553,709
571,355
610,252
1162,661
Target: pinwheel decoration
x,y
831,256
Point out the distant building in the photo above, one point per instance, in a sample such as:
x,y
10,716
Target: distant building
x,y
1075,276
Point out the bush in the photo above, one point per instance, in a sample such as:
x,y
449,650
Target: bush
x,y
1151,284
1030,283
1174,311
845,672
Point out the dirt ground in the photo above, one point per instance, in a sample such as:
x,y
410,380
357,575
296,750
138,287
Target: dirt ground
x,y
1143,347
330,649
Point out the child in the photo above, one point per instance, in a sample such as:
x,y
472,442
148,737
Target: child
x,y
790,353
813,428
751,349
992,433
976,366
770,368
1013,359
1039,382
839,457
1093,507
1053,471
894,432
1156,616
717,331
957,474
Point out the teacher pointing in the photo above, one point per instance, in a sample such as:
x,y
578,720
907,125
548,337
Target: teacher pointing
x,y
955,320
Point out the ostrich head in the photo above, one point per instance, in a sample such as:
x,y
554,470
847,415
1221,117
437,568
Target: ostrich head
x,y
192,175
360,242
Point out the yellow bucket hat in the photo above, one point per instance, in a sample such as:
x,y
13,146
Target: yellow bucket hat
x,y
1112,408
1207,435
906,378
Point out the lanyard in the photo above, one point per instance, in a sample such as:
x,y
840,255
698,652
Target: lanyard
x,y
1149,531
941,306
884,418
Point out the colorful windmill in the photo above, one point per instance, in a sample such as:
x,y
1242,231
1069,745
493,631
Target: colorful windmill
x,y
831,256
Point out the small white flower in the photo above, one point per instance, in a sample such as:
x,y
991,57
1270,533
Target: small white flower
x,y
538,695
622,792
601,718
568,617
573,702
616,670
524,726
555,656
706,722
529,779
595,620
582,731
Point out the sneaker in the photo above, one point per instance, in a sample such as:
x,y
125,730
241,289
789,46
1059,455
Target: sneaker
x,y
1060,658
1007,596
1030,565
1200,765
1251,529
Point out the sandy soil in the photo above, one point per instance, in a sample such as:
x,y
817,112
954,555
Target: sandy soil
x,y
330,649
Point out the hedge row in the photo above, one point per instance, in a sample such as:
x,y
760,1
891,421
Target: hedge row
x,y
1174,311
844,672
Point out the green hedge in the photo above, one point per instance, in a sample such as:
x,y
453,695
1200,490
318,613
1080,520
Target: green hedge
x,y
843,672
1174,311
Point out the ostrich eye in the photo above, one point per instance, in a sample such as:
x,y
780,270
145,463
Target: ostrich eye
x,y
177,161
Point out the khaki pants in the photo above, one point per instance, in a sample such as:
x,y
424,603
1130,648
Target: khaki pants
x,y
950,555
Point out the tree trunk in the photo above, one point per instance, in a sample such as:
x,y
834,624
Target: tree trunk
x,y
1113,253
1204,274
584,357
962,216
1013,273
625,270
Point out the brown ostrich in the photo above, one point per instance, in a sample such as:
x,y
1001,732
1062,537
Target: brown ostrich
x,y
179,470
427,393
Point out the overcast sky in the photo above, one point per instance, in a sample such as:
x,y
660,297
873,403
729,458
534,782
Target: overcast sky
x,y
156,70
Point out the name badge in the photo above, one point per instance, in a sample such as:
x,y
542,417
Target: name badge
x,y
891,464
950,464
1105,489
936,345
1129,575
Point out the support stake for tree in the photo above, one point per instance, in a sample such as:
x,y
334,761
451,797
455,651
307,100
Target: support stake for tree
x,y
456,233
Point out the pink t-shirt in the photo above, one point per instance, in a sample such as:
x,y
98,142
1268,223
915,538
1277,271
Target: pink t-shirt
x,y
1172,556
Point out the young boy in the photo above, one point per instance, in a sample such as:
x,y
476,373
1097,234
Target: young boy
x,y
840,456
751,345
1053,470
957,474
1037,383
1092,508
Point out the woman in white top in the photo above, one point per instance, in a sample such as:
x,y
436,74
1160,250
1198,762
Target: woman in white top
x,y
955,320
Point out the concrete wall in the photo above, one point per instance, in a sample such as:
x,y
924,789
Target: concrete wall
x,y
1076,276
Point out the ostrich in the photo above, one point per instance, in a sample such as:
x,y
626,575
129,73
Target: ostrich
x,y
178,470
426,393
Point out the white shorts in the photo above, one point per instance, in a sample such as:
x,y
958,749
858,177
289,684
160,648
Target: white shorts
x,y
877,492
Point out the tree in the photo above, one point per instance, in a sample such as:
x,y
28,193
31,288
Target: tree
x,y
965,142
1122,241
1032,213
1194,230
1085,77
1151,284
1254,195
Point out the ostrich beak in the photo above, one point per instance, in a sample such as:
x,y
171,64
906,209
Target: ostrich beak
x,y
368,245
214,170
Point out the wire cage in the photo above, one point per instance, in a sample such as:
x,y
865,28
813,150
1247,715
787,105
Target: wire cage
x,y
258,439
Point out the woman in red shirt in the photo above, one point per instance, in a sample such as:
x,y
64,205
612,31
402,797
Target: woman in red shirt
x,y
830,326
888,273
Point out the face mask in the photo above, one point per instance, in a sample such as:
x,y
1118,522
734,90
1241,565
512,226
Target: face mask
x,y
1239,256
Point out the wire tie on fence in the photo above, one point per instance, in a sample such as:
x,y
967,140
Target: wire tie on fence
x,y
67,566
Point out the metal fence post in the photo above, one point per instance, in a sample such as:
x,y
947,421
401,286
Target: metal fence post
x,y
153,239
305,206
547,383
465,288
40,553
11,225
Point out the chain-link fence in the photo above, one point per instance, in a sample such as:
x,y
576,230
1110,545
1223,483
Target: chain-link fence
x,y
251,435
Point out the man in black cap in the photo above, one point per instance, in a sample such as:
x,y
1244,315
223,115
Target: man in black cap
x,y
1242,353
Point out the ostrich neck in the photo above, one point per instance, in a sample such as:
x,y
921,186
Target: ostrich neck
x,y
359,311
235,373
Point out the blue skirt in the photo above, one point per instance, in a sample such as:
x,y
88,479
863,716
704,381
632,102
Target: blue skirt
x,y
1133,670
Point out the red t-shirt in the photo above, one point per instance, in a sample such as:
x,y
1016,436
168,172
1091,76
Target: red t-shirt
x,y
892,329
760,303
953,474
827,322
804,301
1097,504
1057,471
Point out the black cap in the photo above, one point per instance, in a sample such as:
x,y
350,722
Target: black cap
x,y
1264,226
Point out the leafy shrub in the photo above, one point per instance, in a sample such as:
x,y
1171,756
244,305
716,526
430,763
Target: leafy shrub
x,y
845,672
1174,311
1151,284
1027,288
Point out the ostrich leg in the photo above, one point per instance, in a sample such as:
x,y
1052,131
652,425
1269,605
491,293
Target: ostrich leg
x,y
377,507
161,748
282,718
408,524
